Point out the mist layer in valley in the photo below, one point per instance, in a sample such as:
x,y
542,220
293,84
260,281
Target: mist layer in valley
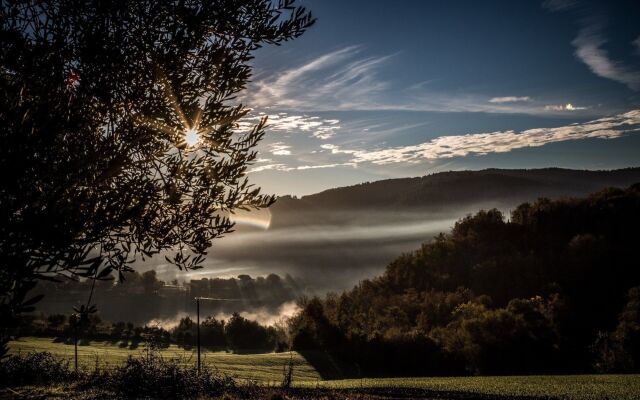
x,y
333,239
327,242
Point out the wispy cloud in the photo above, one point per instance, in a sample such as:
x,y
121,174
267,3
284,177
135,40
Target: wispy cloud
x,y
444,147
509,99
283,122
336,80
347,80
590,43
559,5
286,168
589,48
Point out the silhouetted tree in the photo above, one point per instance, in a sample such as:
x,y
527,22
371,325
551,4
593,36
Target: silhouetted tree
x,y
119,132
212,333
150,282
242,333
627,332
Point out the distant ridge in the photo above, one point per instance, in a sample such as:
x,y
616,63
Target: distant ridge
x,y
442,190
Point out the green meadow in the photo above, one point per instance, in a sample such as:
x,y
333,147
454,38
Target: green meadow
x,y
267,368
574,387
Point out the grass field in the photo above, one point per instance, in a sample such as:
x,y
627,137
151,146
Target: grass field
x,y
574,387
268,368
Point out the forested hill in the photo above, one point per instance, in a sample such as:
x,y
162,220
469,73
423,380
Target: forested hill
x,y
445,189
553,289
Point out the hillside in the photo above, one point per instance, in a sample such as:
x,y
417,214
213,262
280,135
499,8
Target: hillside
x,y
443,190
553,289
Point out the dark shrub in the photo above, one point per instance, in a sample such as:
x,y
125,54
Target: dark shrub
x,y
156,377
34,368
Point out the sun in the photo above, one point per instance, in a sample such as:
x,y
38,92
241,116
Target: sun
x,y
192,136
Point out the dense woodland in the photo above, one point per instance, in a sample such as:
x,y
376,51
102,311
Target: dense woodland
x,y
554,288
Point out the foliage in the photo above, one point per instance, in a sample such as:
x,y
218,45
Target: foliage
x,y
156,377
238,333
149,376
620,349
243,333
97,102
34,368
536,290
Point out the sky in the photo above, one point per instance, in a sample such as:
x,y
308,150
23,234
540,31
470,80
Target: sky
x,y
387,89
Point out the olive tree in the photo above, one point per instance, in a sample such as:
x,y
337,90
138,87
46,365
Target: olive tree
x,y
119,132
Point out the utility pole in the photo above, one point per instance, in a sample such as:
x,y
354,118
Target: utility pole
x,y
75,343
198,335
198,322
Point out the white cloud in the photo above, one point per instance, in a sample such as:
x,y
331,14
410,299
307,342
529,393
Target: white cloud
x,y
285,168
589,44
280,149
563,107
345,79
284,122
509,99
271,167
589,49
336,80
493,142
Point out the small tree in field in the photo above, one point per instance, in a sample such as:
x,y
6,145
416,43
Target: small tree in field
x,y
119,132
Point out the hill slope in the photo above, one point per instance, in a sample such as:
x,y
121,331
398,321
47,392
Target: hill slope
x,y
445,190
554,289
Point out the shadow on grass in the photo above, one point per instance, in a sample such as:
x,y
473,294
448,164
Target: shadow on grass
x,y
328,366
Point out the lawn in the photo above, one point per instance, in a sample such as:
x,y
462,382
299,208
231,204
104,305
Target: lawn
x,y
268,368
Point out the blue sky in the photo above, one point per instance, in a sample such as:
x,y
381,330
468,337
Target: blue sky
x,y
387,89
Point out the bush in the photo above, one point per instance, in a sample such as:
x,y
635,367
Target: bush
x,y
156,377
146,377
34,368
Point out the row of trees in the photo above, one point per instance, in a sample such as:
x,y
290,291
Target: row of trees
x,y
236,334
555,289
143,297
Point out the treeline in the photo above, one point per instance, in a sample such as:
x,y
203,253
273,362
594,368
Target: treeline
x,y
553,289
235,334
142,296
